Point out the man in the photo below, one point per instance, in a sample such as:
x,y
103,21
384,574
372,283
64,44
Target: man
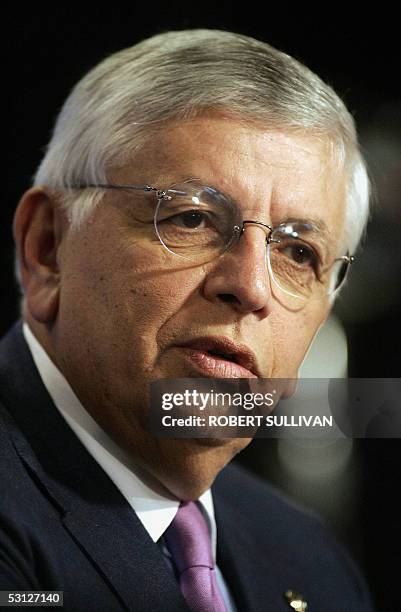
x,y
194,214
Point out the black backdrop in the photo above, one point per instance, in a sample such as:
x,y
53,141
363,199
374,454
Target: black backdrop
x,y
47,52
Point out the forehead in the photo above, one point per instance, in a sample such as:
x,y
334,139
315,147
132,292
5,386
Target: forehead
x,y
274,174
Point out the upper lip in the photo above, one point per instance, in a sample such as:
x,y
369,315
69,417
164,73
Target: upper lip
x,y
240,353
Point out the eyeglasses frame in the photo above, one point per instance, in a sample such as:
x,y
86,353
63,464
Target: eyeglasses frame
x,y
163,194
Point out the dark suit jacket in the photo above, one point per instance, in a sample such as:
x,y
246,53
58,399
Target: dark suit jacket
x,y
65,526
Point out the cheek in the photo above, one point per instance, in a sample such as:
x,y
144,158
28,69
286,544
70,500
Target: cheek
x,y
151,303
119,298
292,335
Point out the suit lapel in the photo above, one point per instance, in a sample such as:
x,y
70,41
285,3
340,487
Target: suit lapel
x,y
127,558
255,570
93,510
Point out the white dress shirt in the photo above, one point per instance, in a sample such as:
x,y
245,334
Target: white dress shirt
x,y
154,510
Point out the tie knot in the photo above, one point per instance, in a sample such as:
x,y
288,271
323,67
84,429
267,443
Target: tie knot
x,y
188,538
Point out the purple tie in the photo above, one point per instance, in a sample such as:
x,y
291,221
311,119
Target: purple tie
x,y
188,541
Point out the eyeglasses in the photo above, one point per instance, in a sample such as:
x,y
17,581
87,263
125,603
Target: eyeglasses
x,y
199,223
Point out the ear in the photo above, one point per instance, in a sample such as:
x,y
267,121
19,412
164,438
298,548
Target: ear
x,y
37,234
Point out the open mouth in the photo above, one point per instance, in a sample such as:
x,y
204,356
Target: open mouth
x,y
226,356
221,358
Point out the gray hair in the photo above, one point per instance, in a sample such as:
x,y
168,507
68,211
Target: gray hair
x,y
119,104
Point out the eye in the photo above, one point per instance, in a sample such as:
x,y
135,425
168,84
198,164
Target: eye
x,y
190,219
302,255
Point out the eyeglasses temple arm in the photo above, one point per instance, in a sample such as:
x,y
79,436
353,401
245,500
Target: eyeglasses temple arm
x,y
111,186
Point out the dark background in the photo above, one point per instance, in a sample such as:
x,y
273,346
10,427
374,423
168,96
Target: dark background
x,y
46,53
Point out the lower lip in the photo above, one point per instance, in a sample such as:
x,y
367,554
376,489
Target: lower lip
x,y
215,367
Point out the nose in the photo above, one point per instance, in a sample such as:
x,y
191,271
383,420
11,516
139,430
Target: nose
x,y
240,276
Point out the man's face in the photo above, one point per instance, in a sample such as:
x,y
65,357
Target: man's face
x,y
127,306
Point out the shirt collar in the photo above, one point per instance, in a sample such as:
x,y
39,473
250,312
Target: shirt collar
x,y
155,511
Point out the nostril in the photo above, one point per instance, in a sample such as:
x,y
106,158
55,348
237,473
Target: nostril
x,y
228,298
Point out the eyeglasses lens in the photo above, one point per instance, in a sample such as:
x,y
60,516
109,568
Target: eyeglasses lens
x,y
197,222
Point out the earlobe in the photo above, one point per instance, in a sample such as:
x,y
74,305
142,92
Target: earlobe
x,y
37,234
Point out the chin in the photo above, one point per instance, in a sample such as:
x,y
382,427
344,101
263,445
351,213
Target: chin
x,y
191,466
212,442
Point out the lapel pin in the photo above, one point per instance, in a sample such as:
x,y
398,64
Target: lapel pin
x,y
296,601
